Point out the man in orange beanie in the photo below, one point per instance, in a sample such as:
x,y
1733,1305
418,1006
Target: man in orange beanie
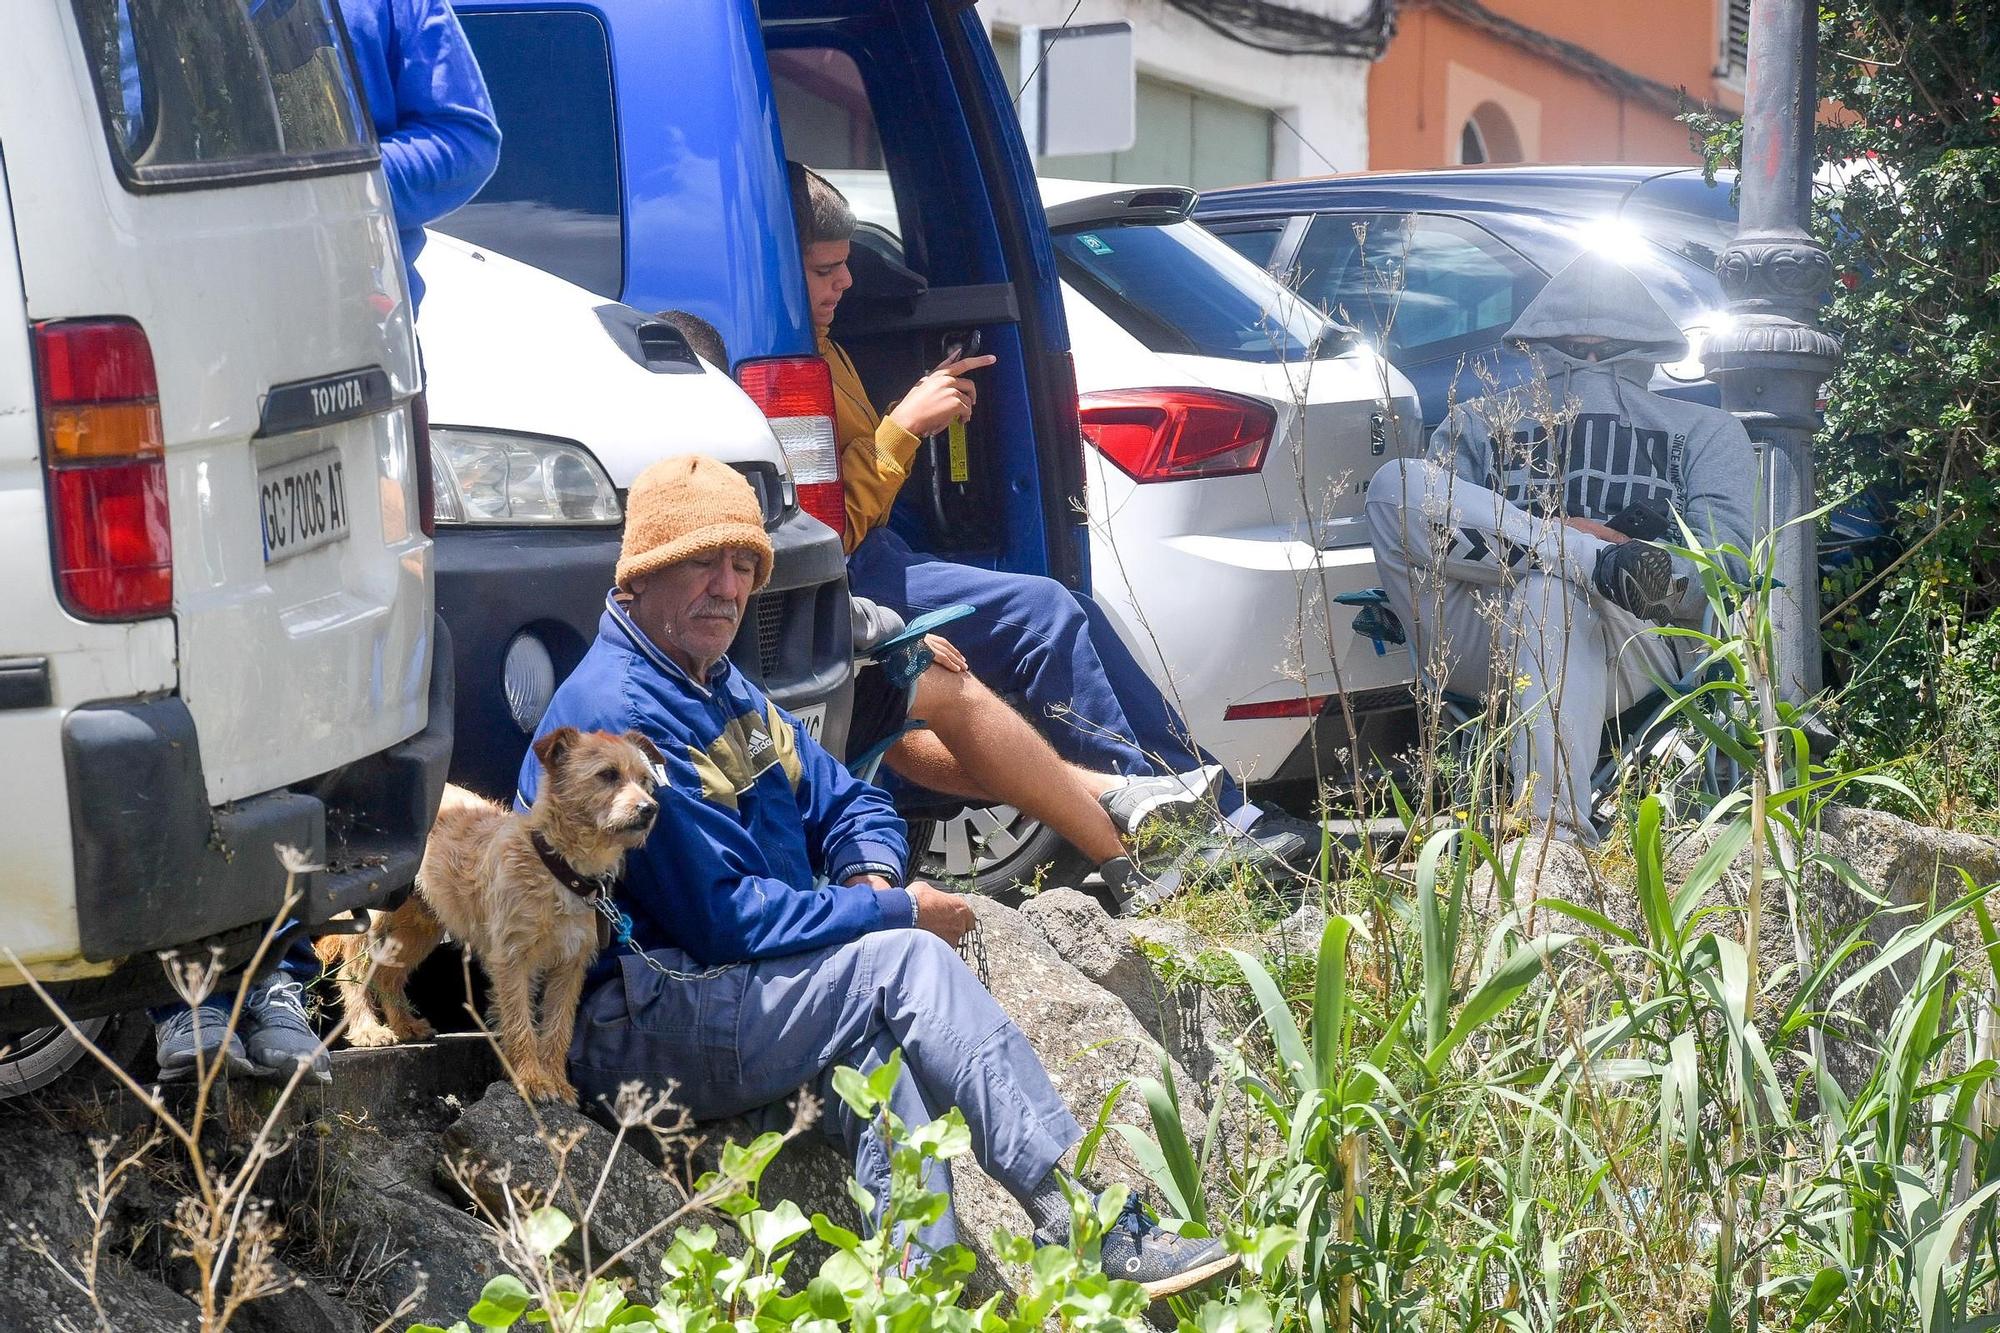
x,y
772,936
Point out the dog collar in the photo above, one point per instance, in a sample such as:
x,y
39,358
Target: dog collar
x,y
566,874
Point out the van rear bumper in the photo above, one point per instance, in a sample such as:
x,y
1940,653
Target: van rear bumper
x,y
157,868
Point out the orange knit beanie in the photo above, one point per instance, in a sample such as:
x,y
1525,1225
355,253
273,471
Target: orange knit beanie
x,y
683,507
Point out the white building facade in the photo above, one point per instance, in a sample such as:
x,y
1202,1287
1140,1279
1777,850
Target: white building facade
x,y
1216,105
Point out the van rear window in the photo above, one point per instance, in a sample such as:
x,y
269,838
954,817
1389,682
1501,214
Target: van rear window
x,y
554,201
198,94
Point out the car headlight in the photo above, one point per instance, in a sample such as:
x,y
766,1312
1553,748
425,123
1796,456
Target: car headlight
x,y
486,476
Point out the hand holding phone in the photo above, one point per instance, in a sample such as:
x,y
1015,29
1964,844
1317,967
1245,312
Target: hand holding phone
x,y
1645,521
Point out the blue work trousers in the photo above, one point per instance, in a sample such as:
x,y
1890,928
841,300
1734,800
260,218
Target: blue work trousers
x,y
735,1039
1033,639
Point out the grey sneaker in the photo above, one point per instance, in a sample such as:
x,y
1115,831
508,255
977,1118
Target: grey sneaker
x,y
1135,800
179,1039
1638,576
277,1034
1137,1249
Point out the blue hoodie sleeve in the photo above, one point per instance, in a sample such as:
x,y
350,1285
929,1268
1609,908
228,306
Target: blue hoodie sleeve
x,y
852,824
445,142
723,911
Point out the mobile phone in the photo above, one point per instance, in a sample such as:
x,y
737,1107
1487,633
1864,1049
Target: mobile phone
x,y
1644,520
964,343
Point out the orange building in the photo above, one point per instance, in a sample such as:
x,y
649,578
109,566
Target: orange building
x,y
1468,81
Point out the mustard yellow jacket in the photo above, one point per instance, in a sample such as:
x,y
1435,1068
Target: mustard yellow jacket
x,y
875,452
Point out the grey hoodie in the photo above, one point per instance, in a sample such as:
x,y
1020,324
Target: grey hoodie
x,y
1616,442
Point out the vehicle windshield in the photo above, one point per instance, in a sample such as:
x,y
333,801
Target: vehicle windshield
x,y
1178,289
199,93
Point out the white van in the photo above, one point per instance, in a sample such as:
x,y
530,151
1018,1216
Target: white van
x,y
216,628
546,401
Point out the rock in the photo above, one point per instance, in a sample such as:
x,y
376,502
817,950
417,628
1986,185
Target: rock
x,y
1086,937
501,1146
41,1171
303,1308
1297,936
380,1215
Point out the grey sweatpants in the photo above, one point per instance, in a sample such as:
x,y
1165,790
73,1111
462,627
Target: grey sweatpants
x,y
1495,598
738,1038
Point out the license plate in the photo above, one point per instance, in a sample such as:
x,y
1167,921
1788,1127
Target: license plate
x,y
304,504
812,718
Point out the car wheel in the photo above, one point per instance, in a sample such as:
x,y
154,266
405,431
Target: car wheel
x,y
997,851
34,1059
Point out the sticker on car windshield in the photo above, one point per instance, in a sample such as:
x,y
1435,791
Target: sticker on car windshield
x,y
1090,242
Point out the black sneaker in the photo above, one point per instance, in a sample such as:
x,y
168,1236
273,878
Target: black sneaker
x,y
1139,1250
1295,843
1637,576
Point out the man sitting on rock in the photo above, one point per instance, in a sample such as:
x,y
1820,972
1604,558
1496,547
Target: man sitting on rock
x,y
1522,551
774,936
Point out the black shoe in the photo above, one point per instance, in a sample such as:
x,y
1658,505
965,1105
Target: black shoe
x,y
1139,1250
1637,576
1294,843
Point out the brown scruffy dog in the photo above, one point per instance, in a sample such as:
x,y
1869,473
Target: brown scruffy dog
x,y
516,891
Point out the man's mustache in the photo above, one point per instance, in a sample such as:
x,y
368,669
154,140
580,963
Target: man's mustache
x,y
717,606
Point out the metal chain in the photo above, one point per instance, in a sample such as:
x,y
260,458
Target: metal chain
x,y
972,948
621,933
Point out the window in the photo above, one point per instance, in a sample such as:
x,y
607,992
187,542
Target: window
x,y
1732,56
1186,137
823,109
1178,289
1419,285
1488,136
193,95
1256,242
554,202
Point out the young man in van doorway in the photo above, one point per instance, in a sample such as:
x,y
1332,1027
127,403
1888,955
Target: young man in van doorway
x,y
1029,637
440,143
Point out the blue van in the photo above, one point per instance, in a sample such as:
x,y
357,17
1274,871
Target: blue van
x,y
645,161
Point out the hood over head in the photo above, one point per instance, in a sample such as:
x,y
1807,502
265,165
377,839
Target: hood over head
x,y
1597,297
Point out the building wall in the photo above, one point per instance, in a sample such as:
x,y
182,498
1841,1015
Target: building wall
x,y
1211,111
1440,71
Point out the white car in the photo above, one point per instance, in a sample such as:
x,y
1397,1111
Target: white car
x,y
546,401
1233,431
216,632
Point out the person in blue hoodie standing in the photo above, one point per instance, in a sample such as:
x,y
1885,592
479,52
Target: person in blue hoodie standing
x,y
439,143
773,935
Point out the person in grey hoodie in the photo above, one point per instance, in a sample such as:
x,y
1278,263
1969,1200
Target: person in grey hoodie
x,y
1509,549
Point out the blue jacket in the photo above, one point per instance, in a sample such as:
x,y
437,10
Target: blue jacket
x,y
425,94
752,809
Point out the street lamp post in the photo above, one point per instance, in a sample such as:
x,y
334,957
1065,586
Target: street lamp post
x,y
1772,358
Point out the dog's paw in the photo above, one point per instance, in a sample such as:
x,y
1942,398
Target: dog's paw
x,y
370,1034
547,1088
411,1029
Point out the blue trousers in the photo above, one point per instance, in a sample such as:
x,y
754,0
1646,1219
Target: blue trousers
x,y
736,1039
1033,639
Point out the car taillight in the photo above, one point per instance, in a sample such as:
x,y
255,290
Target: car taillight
x,y
1175,434
1306,706
796,395
104,450
420,447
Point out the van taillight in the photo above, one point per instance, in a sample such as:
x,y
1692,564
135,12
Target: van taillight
x,y
796,395
1175,434
107,470
420,448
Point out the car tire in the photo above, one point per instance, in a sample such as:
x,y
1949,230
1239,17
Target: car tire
x,y
997,852
37,1058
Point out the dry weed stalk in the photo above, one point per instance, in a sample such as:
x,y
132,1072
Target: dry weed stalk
x,y
220,1225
